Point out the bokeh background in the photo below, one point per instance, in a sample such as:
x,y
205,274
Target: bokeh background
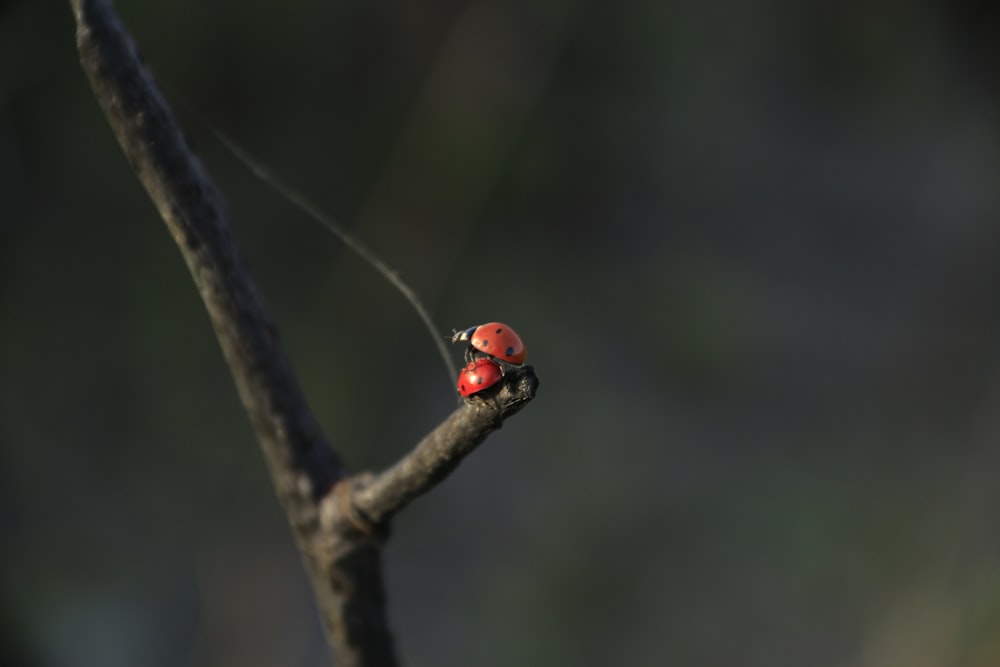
x,y
753,248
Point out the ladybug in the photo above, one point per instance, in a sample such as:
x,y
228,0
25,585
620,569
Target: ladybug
x,y
478,375
495,340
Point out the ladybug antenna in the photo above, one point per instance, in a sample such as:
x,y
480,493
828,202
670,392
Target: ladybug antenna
x,y
302,203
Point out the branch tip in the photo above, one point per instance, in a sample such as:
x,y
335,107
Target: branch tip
x,y
441,450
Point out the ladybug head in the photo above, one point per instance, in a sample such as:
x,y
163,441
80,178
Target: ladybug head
x,y
463,335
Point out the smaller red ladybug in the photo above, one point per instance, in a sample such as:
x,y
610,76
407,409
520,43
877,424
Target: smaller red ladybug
x,y
478,375
493,339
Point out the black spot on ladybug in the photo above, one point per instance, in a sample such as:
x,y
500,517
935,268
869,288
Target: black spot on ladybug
x,y
479,380
510,351
498,330
486,342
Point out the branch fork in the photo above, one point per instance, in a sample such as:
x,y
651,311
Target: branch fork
x,y
340,520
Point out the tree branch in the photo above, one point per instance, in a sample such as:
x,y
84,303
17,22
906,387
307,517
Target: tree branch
x,y
198,219
381,496
337,519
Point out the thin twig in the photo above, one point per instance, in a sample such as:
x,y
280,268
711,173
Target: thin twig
x,y
444,448
307,206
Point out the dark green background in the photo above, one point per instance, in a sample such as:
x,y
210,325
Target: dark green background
x,y
753,249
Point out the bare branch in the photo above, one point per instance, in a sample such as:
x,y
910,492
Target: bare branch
x,y
380,497
303,467
198,219
337,519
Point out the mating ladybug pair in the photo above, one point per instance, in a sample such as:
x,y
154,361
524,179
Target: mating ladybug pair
x,y
492,347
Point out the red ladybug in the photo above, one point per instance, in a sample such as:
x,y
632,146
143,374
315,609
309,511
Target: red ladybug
x,y
493,339
478,375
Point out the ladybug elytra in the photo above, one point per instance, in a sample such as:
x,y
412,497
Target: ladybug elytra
x,y
478,375
494,339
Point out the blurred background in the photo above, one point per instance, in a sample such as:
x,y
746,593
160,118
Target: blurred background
x,y
753,249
